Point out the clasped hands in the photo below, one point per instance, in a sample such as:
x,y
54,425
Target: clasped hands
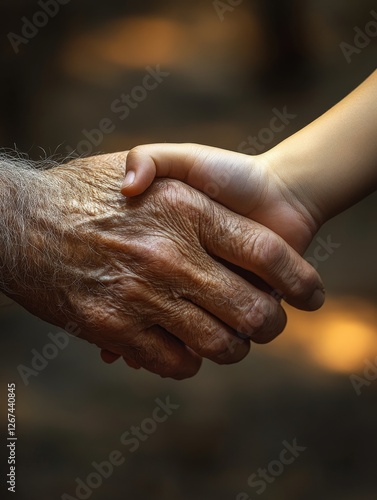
x,y
168,277
196,264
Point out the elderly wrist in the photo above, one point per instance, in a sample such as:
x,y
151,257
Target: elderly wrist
x,y
23,203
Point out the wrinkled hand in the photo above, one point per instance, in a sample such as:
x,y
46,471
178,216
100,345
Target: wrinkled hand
x,y
142,277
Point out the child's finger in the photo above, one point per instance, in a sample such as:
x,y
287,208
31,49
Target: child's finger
x,y
140,172
144,163
225,176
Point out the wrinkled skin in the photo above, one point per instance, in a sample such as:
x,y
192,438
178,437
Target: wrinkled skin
x,y
142,277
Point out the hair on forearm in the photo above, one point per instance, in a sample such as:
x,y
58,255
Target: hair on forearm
x,y
26,211
50,217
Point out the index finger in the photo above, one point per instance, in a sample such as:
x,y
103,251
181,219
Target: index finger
x,y
255,248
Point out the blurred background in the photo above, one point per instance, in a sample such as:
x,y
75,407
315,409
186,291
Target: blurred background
x,y
226,68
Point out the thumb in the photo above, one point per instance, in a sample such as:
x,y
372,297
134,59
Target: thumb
x,y
141,170
230,178
144,163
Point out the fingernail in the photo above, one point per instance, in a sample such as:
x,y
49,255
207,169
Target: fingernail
x,y
317,299
129,179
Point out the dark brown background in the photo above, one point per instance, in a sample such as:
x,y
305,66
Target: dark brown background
x,y
226,78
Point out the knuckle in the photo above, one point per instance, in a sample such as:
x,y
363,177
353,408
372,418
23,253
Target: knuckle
x,y
137,150
162,359
214,345
274,324
175,208
267,249
156,254
263,317
237,349
134,154
173,192
217,347
162,203
175,195
254,317
303,282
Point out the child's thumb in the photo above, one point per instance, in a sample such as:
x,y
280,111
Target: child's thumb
x,y
127,183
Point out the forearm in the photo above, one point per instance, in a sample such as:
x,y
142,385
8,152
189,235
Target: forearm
x,y
48,230
31,232
17,186
332,163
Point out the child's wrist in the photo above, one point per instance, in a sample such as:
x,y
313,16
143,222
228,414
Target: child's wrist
x,y
295,182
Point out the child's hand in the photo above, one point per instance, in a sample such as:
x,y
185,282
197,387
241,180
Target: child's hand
x,y
292,189
245,184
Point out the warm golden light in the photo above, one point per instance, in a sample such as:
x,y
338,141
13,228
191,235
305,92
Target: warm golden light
x,y
132,42
135,42
338,338
343,344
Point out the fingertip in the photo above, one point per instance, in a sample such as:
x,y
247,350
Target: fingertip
x,y
109,357
128,182
131,363
133,184
317,300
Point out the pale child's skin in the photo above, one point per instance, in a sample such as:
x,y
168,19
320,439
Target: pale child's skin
x,y
293,188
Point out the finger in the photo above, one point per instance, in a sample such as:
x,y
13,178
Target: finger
x,y
159,352
203,333
131,363
257,249
109,357
245,309
218,173
140,172
144,163
152,348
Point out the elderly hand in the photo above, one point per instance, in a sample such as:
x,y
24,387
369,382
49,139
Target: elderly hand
x,y
144,277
